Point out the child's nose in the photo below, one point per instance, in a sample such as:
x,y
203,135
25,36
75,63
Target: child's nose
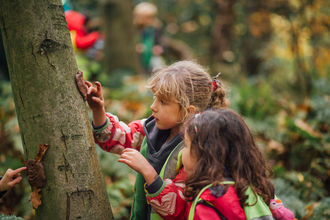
x,y
153,107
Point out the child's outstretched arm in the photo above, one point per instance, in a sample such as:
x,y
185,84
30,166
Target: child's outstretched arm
x,y
135,160
168,201
96,103
10,179
111,134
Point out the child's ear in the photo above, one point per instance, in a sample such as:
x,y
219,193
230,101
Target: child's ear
x,y
191,110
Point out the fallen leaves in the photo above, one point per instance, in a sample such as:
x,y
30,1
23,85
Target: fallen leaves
x,y
307,128
35,197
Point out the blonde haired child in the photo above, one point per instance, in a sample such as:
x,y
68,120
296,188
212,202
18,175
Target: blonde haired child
x,y
145,14
180,90
224,174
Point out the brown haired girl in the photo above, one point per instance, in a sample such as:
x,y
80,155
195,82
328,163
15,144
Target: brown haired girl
x,y
180,90
223,171
222,149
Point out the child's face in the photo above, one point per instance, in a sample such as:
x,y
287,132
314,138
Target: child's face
x,y
166,114
189,159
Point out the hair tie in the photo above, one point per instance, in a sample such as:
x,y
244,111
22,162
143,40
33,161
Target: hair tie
x,y
196,115
214,82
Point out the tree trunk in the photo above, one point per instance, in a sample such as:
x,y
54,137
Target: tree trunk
x,y
120,51
222,31
50,109
257,35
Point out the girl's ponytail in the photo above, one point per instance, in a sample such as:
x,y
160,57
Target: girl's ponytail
x,y
218,97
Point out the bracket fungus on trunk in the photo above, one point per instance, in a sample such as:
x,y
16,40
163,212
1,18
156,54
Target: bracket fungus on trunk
x,y
35,174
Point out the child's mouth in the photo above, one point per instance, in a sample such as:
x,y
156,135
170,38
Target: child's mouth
x,y
156,119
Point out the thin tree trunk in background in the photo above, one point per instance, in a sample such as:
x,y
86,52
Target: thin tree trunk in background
x,y
303,81
50,109
120,51
222,31
257,35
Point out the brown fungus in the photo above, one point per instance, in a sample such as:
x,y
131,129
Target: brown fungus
x,y
36,174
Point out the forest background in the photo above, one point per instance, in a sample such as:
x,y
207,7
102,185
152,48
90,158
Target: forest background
x,y
274,57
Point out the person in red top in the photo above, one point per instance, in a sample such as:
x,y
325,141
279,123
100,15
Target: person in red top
x,y
79,26
220,163
180,90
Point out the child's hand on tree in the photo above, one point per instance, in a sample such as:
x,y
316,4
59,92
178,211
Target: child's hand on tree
x,y
11,178
135,160
96,103
94,96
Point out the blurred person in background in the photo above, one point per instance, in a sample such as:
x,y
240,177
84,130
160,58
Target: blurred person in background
x,y
84,34
149,44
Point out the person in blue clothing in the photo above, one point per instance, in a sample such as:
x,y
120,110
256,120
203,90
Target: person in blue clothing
x,y
10,179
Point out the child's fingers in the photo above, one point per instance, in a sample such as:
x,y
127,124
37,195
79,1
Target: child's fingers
x,y
91,90
15,181
127,150
89,84
17,171
126,161
97,101
98,86
122,160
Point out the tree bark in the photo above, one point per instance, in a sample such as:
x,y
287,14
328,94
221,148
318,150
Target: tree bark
x,y
120,51
50,109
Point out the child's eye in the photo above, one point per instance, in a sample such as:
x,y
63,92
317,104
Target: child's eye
x,y
163,103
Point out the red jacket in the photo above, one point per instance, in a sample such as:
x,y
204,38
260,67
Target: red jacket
x,y
76,21
171,204
114,136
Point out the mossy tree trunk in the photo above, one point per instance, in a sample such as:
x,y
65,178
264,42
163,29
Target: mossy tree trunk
x,y
120,54
50,109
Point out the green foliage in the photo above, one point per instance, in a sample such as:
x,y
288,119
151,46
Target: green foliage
x,y
320,99
254,100
119,183
10,217
8,119
286,102
322,210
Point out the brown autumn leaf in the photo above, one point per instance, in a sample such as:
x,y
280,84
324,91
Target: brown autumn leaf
x,y
306,127
42,151
22,160
35,197
273,145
